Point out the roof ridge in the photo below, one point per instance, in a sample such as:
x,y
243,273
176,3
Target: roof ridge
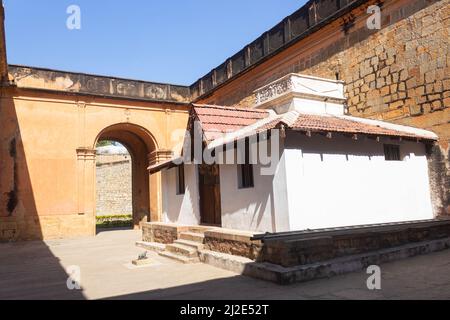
x,y
390,126
213,106
290,117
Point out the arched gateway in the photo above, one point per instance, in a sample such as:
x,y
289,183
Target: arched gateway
x,y
140,143
52,122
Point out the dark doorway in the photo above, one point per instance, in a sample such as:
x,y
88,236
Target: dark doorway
x,y
209,188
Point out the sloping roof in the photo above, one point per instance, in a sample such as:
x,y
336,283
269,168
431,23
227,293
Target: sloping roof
x,y
222,125
218,120
167,164
354,125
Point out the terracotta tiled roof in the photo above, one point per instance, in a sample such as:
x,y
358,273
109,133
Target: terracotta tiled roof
x,y
347,125
217,120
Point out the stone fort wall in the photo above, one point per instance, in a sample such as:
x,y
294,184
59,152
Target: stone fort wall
x,y
114,189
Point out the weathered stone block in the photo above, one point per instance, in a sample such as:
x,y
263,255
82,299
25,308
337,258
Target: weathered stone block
x,y
446,84
415,110
385,91
430,76
436,105
233,242
411,83
165,233
446,102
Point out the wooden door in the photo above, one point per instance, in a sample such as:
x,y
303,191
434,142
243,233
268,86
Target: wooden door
x,y
209,188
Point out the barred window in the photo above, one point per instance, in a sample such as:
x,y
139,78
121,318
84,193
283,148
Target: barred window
x,y
392,152
245,176
245,171
181,188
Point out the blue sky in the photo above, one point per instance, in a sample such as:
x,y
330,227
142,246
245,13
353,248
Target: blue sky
x,y
174,41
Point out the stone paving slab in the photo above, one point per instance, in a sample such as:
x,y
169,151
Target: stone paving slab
x,y
37,270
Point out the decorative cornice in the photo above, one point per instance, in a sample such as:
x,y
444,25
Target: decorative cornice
x,y
158,156
299,86
81,104
86,154
273,90
81,83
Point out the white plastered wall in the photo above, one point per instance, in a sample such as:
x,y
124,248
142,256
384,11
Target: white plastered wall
x,y
318,183
342,182
263,208
181,209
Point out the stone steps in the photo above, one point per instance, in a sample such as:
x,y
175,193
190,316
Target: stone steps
x,y
182,249
179,258
199,229
189,243
192,236
151,246
186,248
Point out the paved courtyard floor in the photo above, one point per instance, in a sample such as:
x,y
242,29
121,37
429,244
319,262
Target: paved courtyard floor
x,y
37,270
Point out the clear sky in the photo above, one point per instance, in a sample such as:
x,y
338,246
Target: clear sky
x,y
174,41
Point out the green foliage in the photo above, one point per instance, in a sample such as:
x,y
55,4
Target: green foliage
x,y
115,221
104,143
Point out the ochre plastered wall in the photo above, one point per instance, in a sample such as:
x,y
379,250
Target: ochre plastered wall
x,y
400,73
47,162
3,62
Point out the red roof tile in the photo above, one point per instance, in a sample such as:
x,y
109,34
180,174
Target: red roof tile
x,y
216,120
329,123
336,124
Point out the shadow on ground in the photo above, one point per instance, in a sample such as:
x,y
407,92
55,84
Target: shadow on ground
x,y
33,272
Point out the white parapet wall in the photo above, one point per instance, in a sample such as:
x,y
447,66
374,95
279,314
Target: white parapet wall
x,y
302,93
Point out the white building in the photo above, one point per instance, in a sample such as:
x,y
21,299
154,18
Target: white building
x,y
331,170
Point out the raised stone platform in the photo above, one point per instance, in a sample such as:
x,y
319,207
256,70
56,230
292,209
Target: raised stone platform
x,y
291,257
305,247
324,269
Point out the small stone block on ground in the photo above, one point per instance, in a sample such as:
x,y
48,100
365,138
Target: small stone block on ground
x,y
142,262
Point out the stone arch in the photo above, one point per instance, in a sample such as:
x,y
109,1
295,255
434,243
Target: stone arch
x,y
141,145
116,129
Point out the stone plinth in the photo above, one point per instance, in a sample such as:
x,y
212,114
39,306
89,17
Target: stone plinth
x,y
159,232
301,248
233,242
